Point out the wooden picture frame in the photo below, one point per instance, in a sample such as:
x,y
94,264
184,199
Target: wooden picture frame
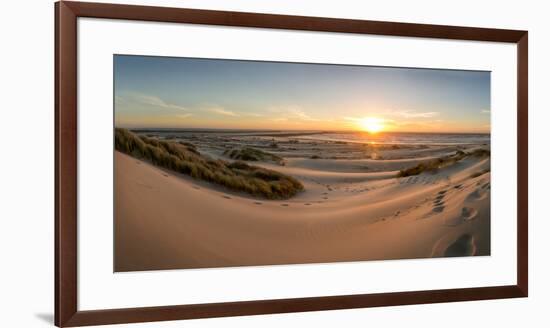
x,y
66,291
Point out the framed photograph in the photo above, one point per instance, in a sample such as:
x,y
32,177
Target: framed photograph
x,y
216,163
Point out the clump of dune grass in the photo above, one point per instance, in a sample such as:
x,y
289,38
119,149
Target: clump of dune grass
x,y
480,173
480,152
184,158
439,163
252,155
189,146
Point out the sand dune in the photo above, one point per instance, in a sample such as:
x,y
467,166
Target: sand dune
x,y
166,221
357,165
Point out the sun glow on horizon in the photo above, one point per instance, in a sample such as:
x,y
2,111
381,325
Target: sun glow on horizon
x,y
371,124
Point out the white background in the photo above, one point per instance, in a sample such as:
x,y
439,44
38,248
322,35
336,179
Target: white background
x,y
26,166
99,39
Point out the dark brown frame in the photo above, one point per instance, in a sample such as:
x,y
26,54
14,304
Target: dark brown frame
x,y
66,14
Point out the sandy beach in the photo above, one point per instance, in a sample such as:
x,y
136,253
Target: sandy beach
x,y
354,207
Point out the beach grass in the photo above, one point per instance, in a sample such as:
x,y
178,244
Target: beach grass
x,y
480,173
439,163
252,155
183,157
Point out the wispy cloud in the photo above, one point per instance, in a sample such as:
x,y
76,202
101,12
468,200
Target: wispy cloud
x,y
157,102
251,114
186,115
353,119
359,119
119,99
398,114
292,113
412,114
222,111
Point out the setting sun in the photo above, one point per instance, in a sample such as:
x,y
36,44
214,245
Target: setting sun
x,y
372,124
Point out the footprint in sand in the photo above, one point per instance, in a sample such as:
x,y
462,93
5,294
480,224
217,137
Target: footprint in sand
x,y
258,203
307,204
469,213
476,195
284,205
226,197
166,175
458,186
325,197
438,203
463,246
195,187
442,192
438,209
141,184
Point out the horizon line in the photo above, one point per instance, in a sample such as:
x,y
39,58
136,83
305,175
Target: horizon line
x,y
294,130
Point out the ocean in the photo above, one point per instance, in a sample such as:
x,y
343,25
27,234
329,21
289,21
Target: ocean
x,y
402,138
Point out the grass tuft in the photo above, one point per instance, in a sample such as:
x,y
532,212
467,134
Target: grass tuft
x,y
184,158
252,155
480,173
439,163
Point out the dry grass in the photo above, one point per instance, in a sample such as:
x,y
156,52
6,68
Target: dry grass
x,y
252,154
480,173
184,158
439,163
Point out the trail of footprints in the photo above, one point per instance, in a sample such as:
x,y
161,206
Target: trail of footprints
x,y
467,213
324,197
439,202
423,179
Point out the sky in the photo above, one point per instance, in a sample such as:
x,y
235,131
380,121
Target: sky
x,y
168,92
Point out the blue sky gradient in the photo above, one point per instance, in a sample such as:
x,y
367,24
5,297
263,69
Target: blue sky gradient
x,y
209,93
